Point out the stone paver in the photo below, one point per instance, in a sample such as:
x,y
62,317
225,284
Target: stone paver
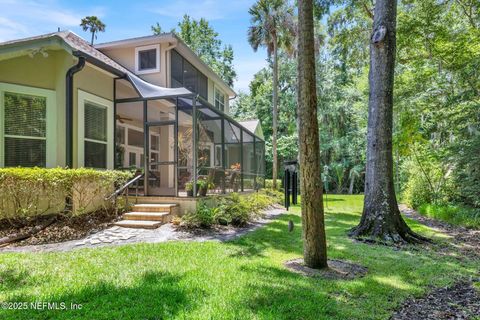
x,y
119,236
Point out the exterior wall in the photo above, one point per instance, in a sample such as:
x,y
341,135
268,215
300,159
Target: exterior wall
x,y
49,73
97,83
126,57
46,73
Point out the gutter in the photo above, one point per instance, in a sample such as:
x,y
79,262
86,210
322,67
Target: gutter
x,y
69,110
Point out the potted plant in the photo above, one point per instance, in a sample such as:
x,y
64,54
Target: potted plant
x,y
202,187
189,188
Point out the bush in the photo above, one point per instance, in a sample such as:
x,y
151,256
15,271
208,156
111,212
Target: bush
x,y
457,215
234,209
30,192
467,172
428,181
204,217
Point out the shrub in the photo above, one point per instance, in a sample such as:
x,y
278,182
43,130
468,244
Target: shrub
x,y
203,217
233,209
29,192
428,181
467,172
457,215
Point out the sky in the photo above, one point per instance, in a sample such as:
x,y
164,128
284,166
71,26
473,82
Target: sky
x,y
134,18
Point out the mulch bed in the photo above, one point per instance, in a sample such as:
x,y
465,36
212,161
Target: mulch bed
x,y
337,269
63,229
459,301
464,241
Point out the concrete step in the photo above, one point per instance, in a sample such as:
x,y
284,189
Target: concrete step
x,y
139,224
148,216
154,207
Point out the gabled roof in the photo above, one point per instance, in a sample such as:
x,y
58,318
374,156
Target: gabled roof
x,y
253,126
181,46
81,48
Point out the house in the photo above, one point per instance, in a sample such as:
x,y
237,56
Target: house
x,y
146,103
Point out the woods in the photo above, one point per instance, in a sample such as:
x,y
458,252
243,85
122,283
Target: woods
x,y
435,113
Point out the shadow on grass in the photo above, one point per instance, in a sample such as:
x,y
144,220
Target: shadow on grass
x,y
13,279
156,295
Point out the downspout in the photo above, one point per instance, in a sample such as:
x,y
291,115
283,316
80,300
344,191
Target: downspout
x,y
69,110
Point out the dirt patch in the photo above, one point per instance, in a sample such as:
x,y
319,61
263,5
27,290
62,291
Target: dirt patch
x,y
459,301
63,229
464,242
337,269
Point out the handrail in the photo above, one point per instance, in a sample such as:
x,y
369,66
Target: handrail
x,y
125,186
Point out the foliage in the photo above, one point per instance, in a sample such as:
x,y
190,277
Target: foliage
x,y
233,209
456,215
205,42
35,191
428,180
272,26
240,279
467,173
94,25
203,217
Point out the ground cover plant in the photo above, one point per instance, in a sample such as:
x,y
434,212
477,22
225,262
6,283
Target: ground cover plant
x,y
240,279
233,209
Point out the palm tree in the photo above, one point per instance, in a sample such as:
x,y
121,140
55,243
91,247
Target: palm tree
x,y
314,240
92,24
272,27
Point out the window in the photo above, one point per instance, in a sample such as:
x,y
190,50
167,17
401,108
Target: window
x,y
25,130
147,59
219,100
95,131
132,159
184,74
135,138
95,136
27,126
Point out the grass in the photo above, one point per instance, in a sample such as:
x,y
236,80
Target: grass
x,y
241,279
455,215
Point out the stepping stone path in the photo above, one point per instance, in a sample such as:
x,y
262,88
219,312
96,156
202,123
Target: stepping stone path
x,y
111,235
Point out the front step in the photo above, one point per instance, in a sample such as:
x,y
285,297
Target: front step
x,y
153,207
139,224
148,216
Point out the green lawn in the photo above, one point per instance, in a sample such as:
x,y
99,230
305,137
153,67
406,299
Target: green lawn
x,y
242,279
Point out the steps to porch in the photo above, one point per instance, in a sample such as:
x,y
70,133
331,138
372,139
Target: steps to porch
x,y
148,215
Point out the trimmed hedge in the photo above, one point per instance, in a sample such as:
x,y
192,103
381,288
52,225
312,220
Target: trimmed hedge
x,y
27,192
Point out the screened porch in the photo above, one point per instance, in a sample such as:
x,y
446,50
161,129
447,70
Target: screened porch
x,y
180,143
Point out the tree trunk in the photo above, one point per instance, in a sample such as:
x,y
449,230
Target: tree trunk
x,y
93,36
275,114
314,242
352,184
381,219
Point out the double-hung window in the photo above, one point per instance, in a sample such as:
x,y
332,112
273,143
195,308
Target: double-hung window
x,y
95,146
95,136
219,100
27,126
147,59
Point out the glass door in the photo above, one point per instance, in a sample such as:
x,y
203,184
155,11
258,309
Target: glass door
x,y
161,165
